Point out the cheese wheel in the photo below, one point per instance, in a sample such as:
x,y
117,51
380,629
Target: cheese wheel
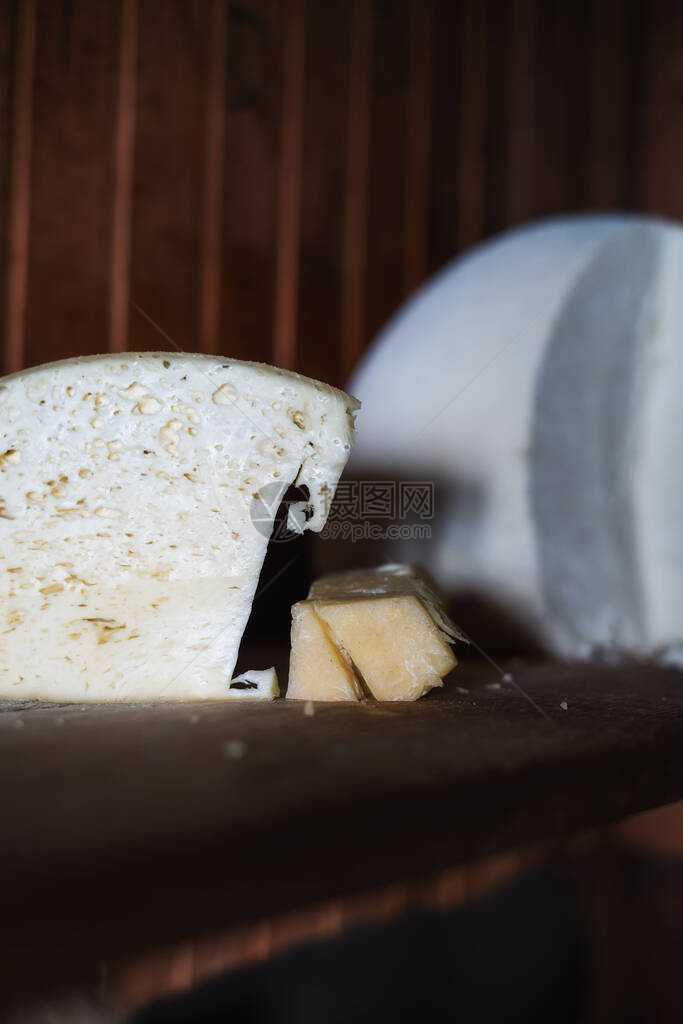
x,y
538,382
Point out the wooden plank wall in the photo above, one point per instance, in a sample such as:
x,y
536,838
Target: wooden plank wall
x,y
269,179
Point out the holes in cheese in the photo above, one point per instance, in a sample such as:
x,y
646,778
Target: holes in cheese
x,y
379,633
129,546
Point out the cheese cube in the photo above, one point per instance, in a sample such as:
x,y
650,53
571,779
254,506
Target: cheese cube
x,y
385,627
319,669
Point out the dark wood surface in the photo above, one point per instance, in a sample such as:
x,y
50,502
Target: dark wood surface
x,y
127,827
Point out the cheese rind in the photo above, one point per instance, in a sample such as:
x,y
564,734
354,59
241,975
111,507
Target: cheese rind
x,y
388,627
137,497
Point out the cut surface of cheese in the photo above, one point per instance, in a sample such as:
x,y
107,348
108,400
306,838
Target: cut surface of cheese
x,y
385,626
318,668
137,497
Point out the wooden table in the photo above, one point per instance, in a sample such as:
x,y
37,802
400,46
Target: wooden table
x,y
126,827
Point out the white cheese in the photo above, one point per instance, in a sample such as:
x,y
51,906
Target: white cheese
x,y
255,684
538,382
129,548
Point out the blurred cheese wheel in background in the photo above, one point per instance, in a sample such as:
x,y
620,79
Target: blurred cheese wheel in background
x,y
538,381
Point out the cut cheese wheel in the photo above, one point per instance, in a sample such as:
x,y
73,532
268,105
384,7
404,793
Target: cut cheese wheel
x,y
137,495
538,382
380,633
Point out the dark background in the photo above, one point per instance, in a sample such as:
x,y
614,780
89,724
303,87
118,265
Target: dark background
x,y
271,178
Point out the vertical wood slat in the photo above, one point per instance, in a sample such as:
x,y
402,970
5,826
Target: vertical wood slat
x,y
357,174
326,89
637,74
169,172
124,158
550,113
20,186
576,33
497,101
660,188
606,147
562,108
7,48
289,200
472,163
388,153
251,181
416,236
521,114
443,184
214,145
635,81
72,180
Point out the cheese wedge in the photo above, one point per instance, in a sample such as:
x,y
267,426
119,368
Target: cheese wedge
x,y
379,633
137,497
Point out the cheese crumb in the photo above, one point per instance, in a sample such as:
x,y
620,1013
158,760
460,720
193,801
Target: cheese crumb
x,y
234,749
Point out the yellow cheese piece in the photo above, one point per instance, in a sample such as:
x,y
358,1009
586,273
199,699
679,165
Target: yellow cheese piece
x,y
386,626
318,668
